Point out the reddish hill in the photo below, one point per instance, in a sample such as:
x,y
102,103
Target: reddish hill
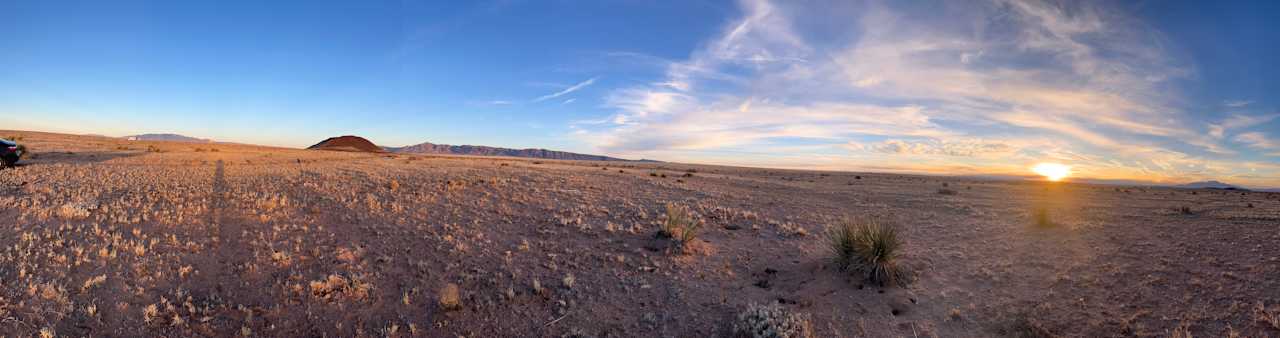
x,y
347,143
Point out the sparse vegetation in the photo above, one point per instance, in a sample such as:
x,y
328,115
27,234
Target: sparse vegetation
x,y
132,245
450,298
1267,316
680,225
1022,326
868,248
945,191
1041,217
1183,330
771,321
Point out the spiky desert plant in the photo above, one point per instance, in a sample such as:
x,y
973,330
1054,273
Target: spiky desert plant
x,y
680,225
867,247
771,321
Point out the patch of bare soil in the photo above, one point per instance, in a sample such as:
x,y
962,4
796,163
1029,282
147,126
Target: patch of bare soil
x,y
103,237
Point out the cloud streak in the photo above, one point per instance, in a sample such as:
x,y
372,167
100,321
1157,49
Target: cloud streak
x,y
566,91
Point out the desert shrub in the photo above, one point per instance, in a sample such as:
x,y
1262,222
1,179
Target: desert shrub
x,y
1182,331
450,298
680,225
1269,317
200,150
771,321
1041,216
868,248
945,191
153,149
1185,210
1023,326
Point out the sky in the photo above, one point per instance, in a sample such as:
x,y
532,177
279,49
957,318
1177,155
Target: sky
x,y
1156,91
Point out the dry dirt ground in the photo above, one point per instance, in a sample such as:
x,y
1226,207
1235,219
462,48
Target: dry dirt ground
x,y
103,237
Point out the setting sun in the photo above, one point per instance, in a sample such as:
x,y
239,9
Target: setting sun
x,y
1052,171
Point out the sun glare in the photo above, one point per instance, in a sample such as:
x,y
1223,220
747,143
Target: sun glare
x,y
1052,171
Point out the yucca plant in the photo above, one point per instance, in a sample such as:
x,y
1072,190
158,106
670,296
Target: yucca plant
x,y
869,248
680,225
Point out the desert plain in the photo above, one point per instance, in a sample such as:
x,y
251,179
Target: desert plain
x,y
103,237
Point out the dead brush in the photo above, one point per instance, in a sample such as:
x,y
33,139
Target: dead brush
x,y
869,248
680,225
771,321
1270,317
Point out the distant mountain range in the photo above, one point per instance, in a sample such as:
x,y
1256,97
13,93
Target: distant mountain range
x,y
165,137
1209,185
431,148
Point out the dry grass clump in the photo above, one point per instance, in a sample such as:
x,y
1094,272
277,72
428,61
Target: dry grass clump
x,y
771,321
74,211
1024,327
450,297
1270,317
1182,331
1041,216
869,248
336,286
680,225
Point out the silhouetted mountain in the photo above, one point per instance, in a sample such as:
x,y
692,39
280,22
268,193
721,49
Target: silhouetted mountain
x,y
431,148
1209,185
165,137
347,143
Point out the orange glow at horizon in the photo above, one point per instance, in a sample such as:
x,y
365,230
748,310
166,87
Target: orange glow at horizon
x,y
1052,171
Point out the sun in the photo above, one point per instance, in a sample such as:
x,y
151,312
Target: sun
x,y
1052,171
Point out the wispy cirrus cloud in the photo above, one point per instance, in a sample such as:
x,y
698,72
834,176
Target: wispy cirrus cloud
x,y
1258,140
1237,121
567,91
1237,103
1067,81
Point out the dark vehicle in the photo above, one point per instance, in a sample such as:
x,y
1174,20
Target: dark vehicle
x,y
10,152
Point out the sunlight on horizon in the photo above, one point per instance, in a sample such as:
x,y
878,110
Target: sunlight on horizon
x,y
1052,171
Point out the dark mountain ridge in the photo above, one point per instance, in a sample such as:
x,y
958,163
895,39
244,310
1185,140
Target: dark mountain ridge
x,y
432,148
165,137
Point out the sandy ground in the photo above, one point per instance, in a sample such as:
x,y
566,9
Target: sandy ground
x,y
103,237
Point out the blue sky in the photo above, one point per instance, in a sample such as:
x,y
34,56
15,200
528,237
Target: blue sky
x,y
1163,91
